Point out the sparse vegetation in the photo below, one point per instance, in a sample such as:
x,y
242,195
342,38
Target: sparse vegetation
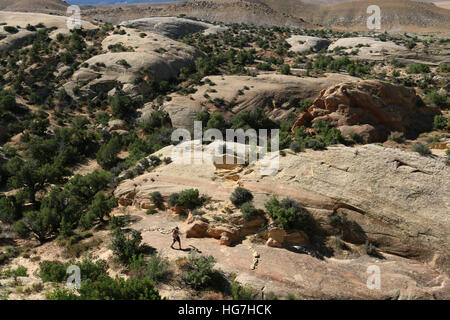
x,y
240,196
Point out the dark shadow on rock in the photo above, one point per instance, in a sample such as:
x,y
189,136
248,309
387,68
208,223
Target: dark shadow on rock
x,y
306,249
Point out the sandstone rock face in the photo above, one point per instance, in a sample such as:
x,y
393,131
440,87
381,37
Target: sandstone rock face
x,y
11,41
400,200
172,27
369,48
15,41
154,57
305,43
277,237
371,109
233,94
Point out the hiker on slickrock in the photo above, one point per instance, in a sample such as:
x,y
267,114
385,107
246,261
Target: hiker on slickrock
x,y
176,237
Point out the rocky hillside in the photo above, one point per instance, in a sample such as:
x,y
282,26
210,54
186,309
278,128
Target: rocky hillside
x,y
379,195
90,170
34,5
225,11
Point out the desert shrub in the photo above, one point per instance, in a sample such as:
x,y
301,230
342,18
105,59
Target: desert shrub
x,y
445,67
107,154
356,137
173,200
440,100
199,272
91,270
10,29
42,224
440,122
20,271
158,119
99,208
10,210
217,121
289,214
107,288
370,249
418,68
123,63
248,211
155,161
421,149
157,199
240,292
396,136
296,146
123,107
285,69
7,101
240,196
8,253
125,246
189,199
264,66
117,222
102,118
155,268
315,144
52,271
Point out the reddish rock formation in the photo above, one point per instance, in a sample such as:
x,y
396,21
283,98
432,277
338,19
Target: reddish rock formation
x,y
371,109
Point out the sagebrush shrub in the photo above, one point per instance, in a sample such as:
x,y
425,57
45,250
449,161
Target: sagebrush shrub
x,y
421,149
249,212
289,214
240,196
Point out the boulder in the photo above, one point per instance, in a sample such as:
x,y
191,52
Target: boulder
x,y
306,43
372,109
117,124
277,237
197,230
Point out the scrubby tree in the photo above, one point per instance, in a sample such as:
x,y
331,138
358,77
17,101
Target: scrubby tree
x,y
107,154
240,196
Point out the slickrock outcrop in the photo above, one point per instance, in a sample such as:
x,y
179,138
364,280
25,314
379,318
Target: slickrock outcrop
x,y
385,192
306,43
129,58
368,48
233,94
11,41
372,109
398,201
172,27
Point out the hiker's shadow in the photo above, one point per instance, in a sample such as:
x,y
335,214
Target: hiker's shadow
x,y
192,249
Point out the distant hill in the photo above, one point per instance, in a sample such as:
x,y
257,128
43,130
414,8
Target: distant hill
x,y
33,5
397,15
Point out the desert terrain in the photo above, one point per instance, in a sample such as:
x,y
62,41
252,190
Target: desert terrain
x,y
91,175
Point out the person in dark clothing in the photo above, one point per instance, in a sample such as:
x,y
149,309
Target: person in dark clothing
x,y
176,237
